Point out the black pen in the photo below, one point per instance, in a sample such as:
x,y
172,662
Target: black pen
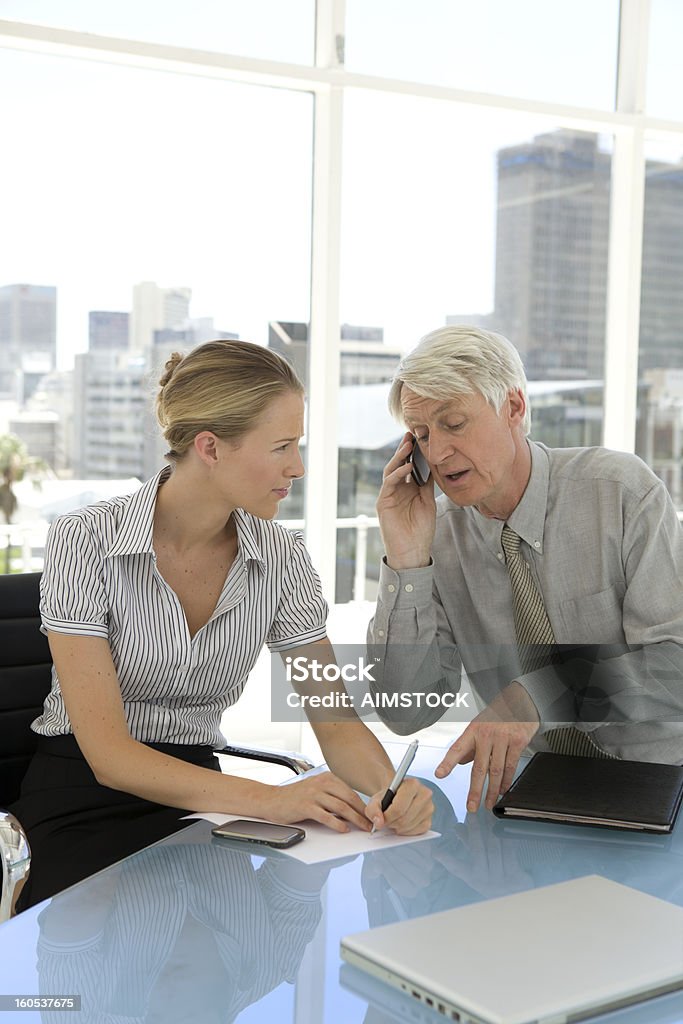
x,y
388,798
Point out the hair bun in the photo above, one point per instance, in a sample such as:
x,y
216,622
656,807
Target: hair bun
x,y
170,368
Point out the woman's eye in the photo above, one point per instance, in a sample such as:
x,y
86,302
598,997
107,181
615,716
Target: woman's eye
x,y
456,426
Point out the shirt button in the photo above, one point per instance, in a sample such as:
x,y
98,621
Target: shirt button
x,y
409,587
537,543
380,632
391,588
500,556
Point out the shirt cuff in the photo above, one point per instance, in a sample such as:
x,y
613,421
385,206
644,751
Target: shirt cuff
x,y
269,870
301,640
74,628
405,588
554,702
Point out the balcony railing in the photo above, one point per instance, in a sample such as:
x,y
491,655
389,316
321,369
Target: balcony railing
x,y
22,546
361,524
26,544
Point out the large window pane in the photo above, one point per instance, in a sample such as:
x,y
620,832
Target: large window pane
x,y
454,217
665,70
270,29
659,438
143,213
561,51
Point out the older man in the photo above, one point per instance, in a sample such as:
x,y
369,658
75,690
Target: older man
x,y
552,576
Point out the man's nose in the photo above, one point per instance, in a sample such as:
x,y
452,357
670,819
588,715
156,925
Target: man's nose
x,y
440,447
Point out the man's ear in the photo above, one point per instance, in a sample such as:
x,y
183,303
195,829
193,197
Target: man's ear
x,y
205,445
516,407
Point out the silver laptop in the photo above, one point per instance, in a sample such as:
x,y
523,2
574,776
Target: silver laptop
x,y
550,955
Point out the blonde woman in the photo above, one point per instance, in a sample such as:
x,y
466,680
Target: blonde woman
x,y
156,606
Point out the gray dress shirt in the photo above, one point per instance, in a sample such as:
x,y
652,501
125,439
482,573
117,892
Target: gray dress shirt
x,y
605,548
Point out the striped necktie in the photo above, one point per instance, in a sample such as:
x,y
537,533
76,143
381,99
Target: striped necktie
x,y
536,641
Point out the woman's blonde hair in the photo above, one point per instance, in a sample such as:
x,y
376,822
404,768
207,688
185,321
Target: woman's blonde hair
x,y
221,386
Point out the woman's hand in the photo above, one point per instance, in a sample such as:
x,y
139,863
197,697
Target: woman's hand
x,y
410,813
324,798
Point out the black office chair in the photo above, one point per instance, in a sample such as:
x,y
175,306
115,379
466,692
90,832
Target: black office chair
x,y
25,676
25,666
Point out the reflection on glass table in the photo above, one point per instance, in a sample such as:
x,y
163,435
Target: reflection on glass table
x,y
189,931
194,929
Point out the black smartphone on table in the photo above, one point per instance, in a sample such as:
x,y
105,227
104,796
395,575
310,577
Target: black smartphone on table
x,y
419,470
265,833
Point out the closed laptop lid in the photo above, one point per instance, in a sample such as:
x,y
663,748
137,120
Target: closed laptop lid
x,y
558,953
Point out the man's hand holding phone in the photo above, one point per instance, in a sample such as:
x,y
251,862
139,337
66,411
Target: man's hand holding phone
x,y
406,508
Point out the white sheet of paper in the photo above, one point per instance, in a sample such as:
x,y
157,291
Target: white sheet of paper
x,y
323,844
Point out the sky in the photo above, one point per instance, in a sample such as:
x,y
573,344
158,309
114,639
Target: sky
x,y
115,175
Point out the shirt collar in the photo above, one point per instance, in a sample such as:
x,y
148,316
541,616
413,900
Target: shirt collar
x,y
137,524
247,542
528,518
134,535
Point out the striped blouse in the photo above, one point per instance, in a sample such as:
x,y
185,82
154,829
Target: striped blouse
x,y
100,579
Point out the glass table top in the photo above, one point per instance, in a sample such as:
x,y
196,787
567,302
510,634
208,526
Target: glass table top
x,y
198,929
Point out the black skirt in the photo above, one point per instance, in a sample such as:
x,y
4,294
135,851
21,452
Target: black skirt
x,y
76,826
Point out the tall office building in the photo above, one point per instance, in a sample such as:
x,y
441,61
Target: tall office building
x,y
550,295
54,395
661,297
551,257
110,402
659,426
28,337
108,331
41,433
364,357
290,340
551,252
154,309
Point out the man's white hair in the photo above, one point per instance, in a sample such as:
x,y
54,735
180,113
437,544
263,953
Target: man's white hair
x,y
461,360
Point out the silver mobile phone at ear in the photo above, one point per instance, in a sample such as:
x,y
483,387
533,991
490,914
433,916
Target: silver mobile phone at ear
x,y
263,832
420,470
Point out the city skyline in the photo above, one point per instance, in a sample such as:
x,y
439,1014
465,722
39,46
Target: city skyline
x,y
549,289
142,186
551,230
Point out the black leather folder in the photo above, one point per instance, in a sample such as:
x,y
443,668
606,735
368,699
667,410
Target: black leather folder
x,y
634,795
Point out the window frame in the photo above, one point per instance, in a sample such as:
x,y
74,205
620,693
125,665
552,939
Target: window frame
x,y
328,81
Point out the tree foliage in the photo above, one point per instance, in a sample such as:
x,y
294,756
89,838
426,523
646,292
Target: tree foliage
x,y
15,463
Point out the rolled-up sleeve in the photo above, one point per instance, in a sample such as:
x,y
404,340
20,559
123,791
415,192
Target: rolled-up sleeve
x,y
72,591
302,610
